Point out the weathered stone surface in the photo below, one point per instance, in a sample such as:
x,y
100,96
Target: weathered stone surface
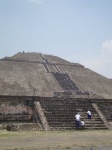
x,y
30,74
60,87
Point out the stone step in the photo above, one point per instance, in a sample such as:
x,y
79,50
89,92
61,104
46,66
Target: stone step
x,y
71,121
80,128
74,124
71,118
68,106
69,111
68,116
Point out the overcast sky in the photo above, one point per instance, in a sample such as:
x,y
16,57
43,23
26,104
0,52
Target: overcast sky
x,y
76,30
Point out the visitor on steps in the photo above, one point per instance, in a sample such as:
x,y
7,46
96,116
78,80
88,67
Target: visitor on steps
x,y
77,117
82,124
89,114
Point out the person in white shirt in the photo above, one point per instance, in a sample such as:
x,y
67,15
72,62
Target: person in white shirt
x,y
89,114
82,124
77,117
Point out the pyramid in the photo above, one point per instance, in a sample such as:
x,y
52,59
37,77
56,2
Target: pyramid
x,y
44,92
37,74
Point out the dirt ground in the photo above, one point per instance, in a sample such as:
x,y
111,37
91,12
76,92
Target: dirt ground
x,y
56,140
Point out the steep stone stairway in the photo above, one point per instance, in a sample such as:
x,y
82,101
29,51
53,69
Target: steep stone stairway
x,y
60,114
65,82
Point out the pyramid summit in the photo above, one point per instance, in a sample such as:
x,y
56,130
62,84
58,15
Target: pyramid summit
x,y
37,74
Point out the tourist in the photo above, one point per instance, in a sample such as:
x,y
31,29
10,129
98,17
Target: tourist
x,y
82,124
89,114
77,120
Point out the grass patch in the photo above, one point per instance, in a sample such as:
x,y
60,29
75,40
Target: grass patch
x,y
54,140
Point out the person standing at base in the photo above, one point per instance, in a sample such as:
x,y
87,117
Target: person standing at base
x,y
77,117
89,114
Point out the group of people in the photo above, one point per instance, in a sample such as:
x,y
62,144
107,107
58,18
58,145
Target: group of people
x,y
79,121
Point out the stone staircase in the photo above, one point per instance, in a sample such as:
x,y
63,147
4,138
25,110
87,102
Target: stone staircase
x,y
60,114
65,82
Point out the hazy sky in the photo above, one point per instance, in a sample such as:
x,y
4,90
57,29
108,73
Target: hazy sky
x,y
76,30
